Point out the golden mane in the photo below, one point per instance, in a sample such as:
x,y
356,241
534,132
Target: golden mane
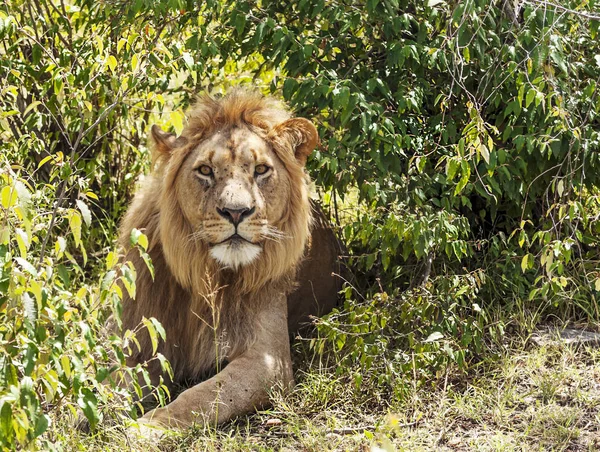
x,y
188,259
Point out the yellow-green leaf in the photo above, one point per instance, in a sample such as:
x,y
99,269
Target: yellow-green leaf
x,y
81,293
59,246
525,263
4,235
75,225
120,44
112,63
152,333
44,160
36,289
111,260
177,121
8,197
22,242
134,62
143,241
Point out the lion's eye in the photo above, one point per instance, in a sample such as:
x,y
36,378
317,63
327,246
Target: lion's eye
x,y
259,170
205,170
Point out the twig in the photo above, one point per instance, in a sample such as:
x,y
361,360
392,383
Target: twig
x,y
351,430
338,431
370,428
427,271
563,8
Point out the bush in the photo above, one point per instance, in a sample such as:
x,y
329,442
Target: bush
x,y
463,138
57,356
71,123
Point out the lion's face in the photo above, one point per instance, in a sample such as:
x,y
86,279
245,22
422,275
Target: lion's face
x,y
233,190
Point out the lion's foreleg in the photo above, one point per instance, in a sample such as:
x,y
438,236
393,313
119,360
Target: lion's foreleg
x,y
243,385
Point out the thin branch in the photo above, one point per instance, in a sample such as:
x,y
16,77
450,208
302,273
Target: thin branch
x,y
545,4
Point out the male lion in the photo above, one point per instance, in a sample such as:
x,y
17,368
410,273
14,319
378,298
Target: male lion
x,y
228,220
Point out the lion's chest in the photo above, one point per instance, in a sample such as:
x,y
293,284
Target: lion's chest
x,y
200,336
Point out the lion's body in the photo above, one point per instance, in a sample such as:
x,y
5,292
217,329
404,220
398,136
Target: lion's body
x,y
221,283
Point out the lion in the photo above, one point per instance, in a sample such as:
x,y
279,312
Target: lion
x,y
229,223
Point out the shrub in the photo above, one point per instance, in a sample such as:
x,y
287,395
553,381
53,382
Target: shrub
x,y
460,144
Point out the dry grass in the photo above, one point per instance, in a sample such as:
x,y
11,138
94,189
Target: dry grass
x,y
532,398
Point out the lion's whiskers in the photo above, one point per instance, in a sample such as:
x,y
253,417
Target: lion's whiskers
x,y
198,235
272,233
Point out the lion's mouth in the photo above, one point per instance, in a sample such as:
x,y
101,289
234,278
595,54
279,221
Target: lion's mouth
x,y
235,239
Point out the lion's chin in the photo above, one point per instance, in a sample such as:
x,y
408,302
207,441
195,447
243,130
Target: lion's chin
x,y
235,254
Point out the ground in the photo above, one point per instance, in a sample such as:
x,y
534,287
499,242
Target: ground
x,y
534,395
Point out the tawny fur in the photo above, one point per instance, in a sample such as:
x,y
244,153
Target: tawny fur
x,y
184,295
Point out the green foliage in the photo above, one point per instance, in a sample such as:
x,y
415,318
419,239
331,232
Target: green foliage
x,y
75,100
55,351
462,139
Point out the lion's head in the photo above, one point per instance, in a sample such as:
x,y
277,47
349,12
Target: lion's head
x,y
233,190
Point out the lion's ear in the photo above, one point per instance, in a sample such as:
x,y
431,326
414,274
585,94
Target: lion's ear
x,y
301,134
165,142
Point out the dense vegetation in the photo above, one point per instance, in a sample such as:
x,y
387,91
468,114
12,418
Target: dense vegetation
x,y
459,161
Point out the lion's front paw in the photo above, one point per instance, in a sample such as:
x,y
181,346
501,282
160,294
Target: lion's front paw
x,y
147,430
165,418
160,417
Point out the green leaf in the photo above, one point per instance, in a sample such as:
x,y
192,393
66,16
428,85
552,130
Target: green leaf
x,y
529,98
41,425
240,23
63,274
89,404
134,236
6,429
465,176
452,166
107,280
289,87
341,97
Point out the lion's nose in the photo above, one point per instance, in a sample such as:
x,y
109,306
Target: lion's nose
x,y
235,216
